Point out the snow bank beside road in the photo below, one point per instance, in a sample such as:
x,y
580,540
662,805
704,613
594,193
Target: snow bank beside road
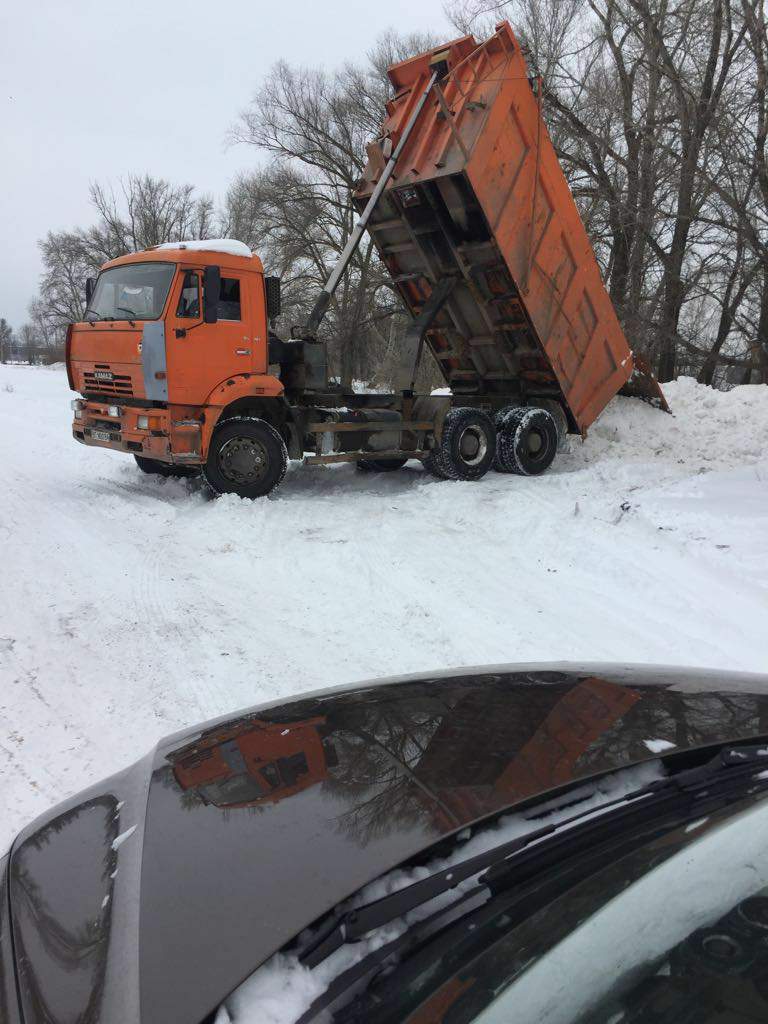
x,y
707,430
132,606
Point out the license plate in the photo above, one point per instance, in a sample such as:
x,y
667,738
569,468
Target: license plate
x,y
101,435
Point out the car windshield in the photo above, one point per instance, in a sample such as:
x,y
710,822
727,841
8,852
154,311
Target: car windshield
x,y
675,931
136,291
683,941
636,881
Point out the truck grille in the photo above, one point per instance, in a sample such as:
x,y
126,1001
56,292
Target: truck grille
x,y
118,385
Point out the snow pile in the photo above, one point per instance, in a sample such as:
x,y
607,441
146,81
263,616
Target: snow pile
x,y
227,245
707,430
283,989
132,606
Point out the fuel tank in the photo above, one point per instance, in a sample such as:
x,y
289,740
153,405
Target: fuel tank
x,y
369,441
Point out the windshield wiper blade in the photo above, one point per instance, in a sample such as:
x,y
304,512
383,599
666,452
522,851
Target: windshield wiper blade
x,y
720,777
351,925
95,315
690,792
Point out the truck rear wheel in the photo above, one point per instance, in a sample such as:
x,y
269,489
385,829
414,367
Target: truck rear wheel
x,y
247,456
380,465
526,441
467,447
164,468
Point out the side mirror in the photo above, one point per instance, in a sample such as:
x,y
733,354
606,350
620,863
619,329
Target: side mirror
x,y
211,294
272,289
90,284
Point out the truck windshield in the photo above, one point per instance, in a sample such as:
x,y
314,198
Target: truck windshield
x,y
136,291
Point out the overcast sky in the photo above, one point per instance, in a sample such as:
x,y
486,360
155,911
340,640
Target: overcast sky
x,y
92,91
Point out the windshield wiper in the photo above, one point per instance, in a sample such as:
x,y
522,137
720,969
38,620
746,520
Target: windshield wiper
x,y
98,318
685,794
125,309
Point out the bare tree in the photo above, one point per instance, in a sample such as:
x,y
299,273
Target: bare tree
x,y
314,126
6,340
146,211
649,104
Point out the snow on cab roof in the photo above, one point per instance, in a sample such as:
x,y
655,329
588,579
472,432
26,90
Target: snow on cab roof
x,y
228,245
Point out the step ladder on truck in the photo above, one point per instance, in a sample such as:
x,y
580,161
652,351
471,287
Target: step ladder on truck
x,y
470,212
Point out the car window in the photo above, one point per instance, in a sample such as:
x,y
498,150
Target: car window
x,y
229,299
189,300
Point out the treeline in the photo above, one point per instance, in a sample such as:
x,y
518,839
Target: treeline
x,y
658,110
30,344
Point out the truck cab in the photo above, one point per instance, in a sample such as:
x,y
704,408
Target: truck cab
x,y
171,337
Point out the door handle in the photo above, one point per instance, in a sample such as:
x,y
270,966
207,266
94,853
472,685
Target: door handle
x,y
242,351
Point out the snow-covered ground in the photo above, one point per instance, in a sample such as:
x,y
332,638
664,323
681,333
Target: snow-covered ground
x,y
131,606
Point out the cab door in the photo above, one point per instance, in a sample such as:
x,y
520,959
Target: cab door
x,y
199,355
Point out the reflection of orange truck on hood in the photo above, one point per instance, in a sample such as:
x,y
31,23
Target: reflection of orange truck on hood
x,y
177,363
541,759
256,762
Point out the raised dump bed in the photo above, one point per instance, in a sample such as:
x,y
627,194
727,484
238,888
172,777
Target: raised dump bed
x,y
479,199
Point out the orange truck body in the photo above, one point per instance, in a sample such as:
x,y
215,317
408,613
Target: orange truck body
x,y
254,763
479,193
483,240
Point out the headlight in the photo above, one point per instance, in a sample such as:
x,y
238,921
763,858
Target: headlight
x,y
115,410
143,422
78,414
77,404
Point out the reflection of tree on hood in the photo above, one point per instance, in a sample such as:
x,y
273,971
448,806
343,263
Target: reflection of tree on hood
x,y
379,746
687,720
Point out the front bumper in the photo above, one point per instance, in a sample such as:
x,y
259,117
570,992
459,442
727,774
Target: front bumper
x,y
147,431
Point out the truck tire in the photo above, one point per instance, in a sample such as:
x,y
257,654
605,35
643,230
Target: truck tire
x,y
381,465
555,409
467,447
431,463
247,456
164,468
526,441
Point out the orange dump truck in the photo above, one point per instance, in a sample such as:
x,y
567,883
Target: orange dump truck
x,y
255,762
471,213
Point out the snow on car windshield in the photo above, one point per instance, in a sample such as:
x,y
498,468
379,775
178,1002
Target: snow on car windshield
x,y
282,989
136,291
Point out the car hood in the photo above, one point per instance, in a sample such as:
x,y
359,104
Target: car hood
x,y
152,895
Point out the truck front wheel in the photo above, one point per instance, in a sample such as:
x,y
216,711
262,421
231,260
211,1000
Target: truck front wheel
x,y
247,456
526,441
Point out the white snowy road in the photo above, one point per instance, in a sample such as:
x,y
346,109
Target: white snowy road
x,y
131,606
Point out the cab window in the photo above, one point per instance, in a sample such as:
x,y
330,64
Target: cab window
x,y
229,299
189,300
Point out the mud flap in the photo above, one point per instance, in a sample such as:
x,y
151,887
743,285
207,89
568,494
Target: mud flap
x,y
642,384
